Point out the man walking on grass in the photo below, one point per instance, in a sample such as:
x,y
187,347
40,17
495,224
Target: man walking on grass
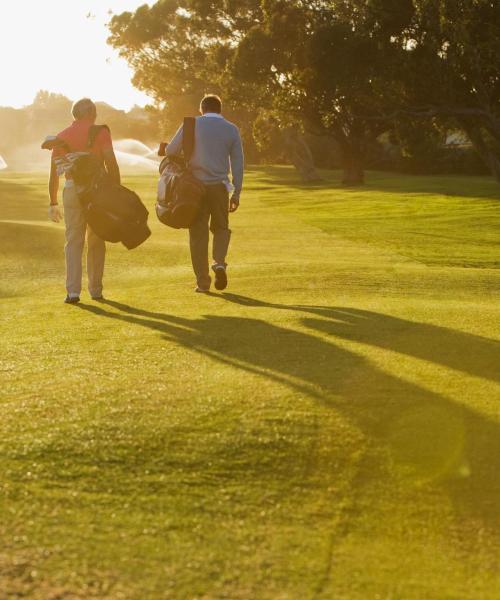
x,y
218,149
76,139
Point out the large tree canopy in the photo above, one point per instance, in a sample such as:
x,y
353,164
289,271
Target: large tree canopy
x,y
345,69
452,68
296,60
314,67
179,50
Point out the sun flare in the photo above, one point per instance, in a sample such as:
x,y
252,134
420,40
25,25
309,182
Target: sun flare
x,y
60,46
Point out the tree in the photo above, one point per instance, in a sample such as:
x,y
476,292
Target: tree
x,y
294,61
320,66
348,70
447,67
178,51
181,50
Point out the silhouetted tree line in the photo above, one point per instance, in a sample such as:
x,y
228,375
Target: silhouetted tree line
x,y
356,83
22,130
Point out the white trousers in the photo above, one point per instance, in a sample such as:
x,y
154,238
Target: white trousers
x,y
76,228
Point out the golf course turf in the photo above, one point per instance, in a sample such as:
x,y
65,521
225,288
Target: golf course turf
x,y
327,428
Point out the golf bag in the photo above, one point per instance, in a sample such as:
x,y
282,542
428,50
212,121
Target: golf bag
x,y
180,193
112,211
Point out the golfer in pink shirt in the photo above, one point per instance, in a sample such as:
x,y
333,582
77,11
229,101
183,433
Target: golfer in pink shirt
x,y
76,137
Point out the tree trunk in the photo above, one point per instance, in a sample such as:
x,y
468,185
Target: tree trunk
x,y
352,164
300,155
487,154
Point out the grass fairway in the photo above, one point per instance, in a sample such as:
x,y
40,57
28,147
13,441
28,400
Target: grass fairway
x,y
329,428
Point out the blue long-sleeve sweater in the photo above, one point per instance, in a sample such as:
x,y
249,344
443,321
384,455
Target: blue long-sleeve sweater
x,y
218,150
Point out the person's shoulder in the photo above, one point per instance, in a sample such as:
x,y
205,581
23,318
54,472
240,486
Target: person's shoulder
x,y
230,123
234,128
104,128
102,132
100,128
218,120
65,132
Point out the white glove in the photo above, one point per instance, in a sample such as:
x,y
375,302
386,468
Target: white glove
x,y
55,213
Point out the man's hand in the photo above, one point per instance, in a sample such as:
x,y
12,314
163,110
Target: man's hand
x,y
234,203
55,213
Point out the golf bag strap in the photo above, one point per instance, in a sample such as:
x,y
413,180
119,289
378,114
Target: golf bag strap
x,y
94,131
188,137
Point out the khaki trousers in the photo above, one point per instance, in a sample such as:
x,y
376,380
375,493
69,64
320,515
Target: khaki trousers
x,y
215,210
76,228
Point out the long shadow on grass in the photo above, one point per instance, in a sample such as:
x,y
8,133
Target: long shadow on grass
x,y
427,435
466,352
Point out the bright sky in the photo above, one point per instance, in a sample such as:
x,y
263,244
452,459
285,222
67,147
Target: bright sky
x,y
54,45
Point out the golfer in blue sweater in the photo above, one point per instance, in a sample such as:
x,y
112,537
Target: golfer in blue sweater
x,y
218,150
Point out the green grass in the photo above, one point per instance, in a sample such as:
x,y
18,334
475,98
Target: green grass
x,y
328,428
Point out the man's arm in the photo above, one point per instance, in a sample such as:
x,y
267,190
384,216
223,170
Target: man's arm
x,y
175,146
237,167
112,166
53,184
54,212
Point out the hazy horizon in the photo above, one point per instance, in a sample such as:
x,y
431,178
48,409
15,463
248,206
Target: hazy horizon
x,y
96,100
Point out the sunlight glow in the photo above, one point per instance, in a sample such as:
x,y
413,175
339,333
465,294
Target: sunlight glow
x,y
60,46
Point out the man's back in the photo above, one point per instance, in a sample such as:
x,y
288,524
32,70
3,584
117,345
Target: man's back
x,y
218,150
77,137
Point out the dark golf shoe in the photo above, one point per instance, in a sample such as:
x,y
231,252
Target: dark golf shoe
x,y
220,277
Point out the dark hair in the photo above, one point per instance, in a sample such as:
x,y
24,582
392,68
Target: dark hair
x,y
211,103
